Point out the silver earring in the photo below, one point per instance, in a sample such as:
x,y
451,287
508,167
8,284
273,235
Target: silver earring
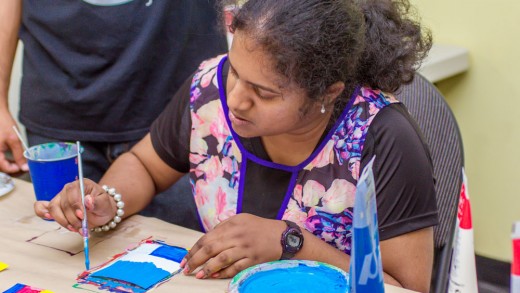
x,y
322,109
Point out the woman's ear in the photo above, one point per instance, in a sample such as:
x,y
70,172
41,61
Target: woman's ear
x,y
332,92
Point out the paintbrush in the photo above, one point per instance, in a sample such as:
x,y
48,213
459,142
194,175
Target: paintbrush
x,y
21,139
84,225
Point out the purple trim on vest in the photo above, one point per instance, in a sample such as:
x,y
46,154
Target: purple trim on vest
x,y
248,155
241,186
288,194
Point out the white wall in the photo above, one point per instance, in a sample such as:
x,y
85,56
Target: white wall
x,y
485,103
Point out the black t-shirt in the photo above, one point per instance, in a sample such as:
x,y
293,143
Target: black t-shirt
x,y
105,71
403,170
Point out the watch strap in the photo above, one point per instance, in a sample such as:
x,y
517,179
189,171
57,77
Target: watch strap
x,y
291,224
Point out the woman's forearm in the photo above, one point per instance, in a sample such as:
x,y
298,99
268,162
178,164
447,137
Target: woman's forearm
x,y
129,177
316,249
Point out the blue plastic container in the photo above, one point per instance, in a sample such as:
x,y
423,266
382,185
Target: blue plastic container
x,y
52,165
302,276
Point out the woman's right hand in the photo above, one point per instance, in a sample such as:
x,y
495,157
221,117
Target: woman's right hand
x,y
66,207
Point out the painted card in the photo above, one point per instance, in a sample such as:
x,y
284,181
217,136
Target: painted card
x,y
138,270
22,288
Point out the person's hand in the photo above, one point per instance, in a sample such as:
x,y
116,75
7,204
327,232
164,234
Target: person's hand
x,y
9,141
66,207
234,245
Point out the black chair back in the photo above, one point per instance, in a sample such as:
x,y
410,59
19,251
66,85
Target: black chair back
x,y
435,118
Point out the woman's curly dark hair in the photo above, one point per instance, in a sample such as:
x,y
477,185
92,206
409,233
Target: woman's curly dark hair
x,y
316,43
395,44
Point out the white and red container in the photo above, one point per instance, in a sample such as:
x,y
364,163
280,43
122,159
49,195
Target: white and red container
x,y
463,273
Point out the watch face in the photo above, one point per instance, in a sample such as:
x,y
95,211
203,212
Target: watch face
x,y
293,240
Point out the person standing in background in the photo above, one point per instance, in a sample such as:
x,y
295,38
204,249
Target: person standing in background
x,y
98,71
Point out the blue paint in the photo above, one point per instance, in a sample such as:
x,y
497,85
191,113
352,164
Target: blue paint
x,y
300,278
116,286
142,274
138,270
17,287
173,253
86,249
52,151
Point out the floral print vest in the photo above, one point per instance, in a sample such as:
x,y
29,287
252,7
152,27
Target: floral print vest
x,y
320,195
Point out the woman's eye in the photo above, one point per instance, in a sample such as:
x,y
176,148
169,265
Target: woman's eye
x,y
264,95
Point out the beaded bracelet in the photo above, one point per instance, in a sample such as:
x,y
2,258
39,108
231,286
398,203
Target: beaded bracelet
x,y
119,213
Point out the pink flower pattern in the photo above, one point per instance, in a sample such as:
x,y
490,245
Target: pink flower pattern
x,y
323,197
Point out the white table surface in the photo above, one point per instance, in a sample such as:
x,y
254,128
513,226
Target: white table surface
x,y
29,245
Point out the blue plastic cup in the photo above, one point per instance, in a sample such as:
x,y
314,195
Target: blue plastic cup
x,y
52,165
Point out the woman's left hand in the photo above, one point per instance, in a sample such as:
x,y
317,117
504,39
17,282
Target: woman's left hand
x,y
234,245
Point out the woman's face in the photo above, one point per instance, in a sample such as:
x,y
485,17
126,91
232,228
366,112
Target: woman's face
x,y
260,103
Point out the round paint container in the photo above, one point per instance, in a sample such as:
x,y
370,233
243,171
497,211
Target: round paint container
x,y
291,276
52,165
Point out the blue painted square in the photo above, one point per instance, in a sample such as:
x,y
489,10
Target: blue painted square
x,y
173,253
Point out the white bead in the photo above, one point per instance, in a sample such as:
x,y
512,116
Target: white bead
x,y
119,212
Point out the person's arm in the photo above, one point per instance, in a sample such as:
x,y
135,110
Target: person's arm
x,y
406,262
407,259
245,240
10,17
137,175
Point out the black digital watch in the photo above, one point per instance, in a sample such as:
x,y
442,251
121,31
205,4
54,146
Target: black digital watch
x,y
292,240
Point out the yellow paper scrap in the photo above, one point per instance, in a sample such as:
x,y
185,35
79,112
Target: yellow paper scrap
x,y
3,266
